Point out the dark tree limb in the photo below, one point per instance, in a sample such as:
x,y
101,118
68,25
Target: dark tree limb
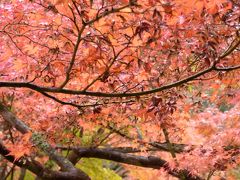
x,y
148,162
102,94
12,120
36,168
38,140
162,147
213,67
32,166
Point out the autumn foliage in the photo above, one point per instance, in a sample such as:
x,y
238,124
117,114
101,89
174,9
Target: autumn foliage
x,y
143,83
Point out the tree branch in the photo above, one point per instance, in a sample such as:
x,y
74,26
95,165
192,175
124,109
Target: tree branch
x,y
149,162
32,166
41,89
178,148
67,78
39,141
100,94
36,168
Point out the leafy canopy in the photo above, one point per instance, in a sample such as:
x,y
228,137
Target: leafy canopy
x,y
148,83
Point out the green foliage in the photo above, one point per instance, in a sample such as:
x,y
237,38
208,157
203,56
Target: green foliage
x,y
94,168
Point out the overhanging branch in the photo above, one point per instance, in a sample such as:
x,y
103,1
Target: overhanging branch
x,y
101,94
38,140
213,67
149,162
32,166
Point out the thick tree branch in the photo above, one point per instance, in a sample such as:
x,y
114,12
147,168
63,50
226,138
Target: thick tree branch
x,y
100,94
12,120
36,168
149,162
235,43
39,141
162,147
32,166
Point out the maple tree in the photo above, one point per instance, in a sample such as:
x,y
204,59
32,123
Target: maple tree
x,y
144,83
